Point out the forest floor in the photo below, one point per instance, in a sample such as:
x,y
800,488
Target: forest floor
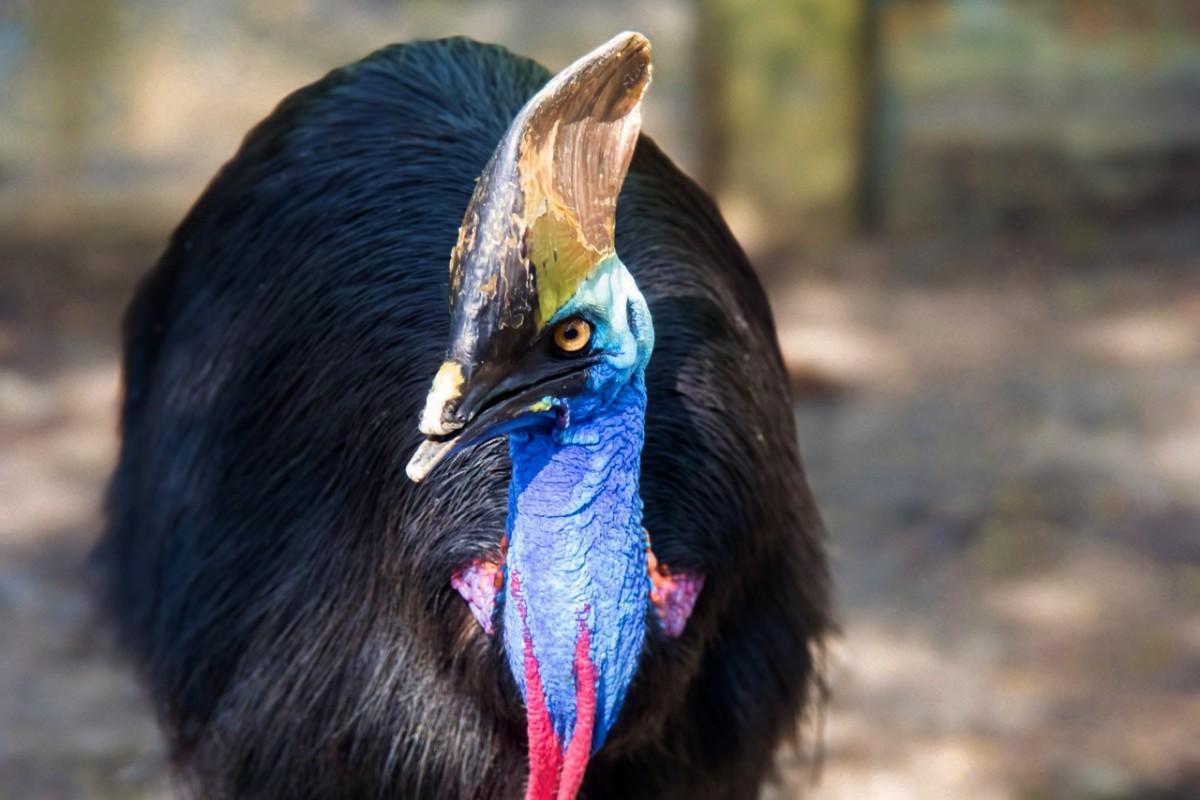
x,y
1004,438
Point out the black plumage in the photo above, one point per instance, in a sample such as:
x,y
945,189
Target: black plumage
x,y
283,585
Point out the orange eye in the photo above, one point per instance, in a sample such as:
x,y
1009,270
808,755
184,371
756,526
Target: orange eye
x,y
572,335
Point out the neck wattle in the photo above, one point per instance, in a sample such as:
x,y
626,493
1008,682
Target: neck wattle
x,y
577,585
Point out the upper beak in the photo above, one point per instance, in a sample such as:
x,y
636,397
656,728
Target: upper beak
x,y
459,414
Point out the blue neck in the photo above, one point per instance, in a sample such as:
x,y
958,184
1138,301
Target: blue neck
x,y
576,547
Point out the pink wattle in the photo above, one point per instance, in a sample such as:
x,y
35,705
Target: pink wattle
x,y
553,773
478,582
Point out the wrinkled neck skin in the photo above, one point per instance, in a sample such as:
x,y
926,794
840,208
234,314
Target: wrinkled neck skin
x,y
577,585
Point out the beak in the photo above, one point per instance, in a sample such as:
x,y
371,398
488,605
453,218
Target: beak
x,y
458,416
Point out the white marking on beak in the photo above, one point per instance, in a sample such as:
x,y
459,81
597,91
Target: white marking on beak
x,y
447,387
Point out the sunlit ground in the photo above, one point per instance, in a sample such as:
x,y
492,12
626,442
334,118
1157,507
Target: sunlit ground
x,y
1012,481
1006,448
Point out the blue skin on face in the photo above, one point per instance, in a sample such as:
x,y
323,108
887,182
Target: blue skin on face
x,y
575,515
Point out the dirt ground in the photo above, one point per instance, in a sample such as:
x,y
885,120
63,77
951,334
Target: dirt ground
x,y
1005,439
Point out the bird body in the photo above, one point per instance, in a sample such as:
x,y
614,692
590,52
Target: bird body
x,y
289,593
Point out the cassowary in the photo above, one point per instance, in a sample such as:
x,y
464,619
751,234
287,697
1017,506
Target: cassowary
x,y
596,570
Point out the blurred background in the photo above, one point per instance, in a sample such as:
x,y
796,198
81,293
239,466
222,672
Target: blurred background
x,y
979,224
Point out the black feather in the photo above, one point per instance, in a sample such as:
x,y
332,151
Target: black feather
x,y
282,584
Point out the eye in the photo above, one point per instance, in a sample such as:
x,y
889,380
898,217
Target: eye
x,y
572,335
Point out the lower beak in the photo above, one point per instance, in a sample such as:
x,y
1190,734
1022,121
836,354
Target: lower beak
x,y
493,411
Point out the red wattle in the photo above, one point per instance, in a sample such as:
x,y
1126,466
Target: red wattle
x,y
545,752
576,758
553,773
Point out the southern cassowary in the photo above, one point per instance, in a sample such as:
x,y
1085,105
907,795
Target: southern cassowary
x,y
597,570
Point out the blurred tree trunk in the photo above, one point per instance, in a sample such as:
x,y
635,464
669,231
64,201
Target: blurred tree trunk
x,y
711,90
77,43
788,95
870,184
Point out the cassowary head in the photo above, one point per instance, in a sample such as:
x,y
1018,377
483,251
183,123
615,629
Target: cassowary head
x,y
549,341
545,319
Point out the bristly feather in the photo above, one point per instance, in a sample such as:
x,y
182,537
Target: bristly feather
x,y
282,584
